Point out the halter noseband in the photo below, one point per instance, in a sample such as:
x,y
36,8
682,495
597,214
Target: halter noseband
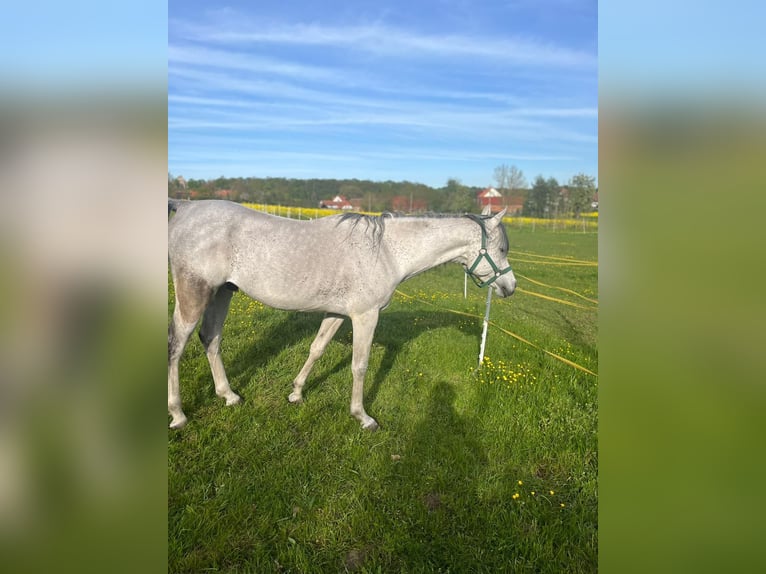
x,y
483,254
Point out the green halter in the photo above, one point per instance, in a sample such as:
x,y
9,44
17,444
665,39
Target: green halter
x,y
483,254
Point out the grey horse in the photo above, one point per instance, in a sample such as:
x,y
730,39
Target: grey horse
x,y
345,265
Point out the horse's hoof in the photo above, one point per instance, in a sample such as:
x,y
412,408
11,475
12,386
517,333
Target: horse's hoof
x,y
233,399
178,423
371,425
295,399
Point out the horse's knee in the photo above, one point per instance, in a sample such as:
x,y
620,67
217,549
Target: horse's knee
x,y
359,372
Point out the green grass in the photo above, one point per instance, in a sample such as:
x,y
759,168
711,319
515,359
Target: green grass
x,y
446,484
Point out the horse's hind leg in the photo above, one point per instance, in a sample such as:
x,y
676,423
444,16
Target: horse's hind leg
x,y
327,331
192,296
210,335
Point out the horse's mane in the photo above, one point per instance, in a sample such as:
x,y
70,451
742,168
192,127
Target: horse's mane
x,y
376,224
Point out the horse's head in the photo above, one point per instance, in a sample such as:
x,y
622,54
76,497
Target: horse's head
x,y
490,265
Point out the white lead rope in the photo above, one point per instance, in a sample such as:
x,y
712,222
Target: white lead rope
x,y
484,329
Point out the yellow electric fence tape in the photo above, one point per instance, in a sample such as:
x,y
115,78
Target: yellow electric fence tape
x,y
507,332
520,290
565,259
566,263
565,290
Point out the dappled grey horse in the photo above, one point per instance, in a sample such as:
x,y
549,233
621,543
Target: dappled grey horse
x,y
345,265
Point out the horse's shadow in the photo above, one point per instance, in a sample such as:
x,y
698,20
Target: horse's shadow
x,y
574,332
399,328
395,330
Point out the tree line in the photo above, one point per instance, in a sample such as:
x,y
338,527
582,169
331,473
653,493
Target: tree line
x,y
548,199
545,198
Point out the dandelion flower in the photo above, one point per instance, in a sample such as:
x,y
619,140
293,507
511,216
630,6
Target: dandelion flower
x,y
520,483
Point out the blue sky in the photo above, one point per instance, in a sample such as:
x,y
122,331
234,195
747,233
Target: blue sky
x,y
421,90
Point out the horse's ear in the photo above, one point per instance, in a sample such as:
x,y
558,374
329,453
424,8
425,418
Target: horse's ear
x,y
497,219
487,210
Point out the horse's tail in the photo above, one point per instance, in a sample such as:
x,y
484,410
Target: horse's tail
x,y
173,204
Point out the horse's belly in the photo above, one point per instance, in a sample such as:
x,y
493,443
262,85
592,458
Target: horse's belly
x,y
305,294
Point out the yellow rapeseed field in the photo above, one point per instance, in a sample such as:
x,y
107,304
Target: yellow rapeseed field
x,y
586,222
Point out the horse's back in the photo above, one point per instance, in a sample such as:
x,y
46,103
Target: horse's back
x,y
328,264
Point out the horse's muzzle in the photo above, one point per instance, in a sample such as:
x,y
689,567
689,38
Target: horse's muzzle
x,y
505,288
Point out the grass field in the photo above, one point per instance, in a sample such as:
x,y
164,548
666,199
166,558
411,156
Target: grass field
x,y
485,471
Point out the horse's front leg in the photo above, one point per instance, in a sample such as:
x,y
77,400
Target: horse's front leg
x,y
364,328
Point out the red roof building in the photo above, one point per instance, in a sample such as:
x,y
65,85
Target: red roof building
x,y
338,202
490,197
497,202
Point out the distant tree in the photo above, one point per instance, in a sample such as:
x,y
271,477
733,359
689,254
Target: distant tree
x,y
509,178
543,198
582,188
350,191
459,198
177,187
172,185
516,179
501,176
554,196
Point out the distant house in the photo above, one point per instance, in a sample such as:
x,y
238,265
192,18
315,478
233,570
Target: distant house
x,y
497,201
490,197
337,202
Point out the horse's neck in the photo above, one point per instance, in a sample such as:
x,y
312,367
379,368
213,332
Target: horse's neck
x,y
420,244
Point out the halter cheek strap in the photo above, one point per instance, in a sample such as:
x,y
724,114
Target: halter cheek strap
x,y
483,254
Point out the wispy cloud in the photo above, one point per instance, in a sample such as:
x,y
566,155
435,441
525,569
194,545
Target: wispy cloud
x,y
390,41
229,59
